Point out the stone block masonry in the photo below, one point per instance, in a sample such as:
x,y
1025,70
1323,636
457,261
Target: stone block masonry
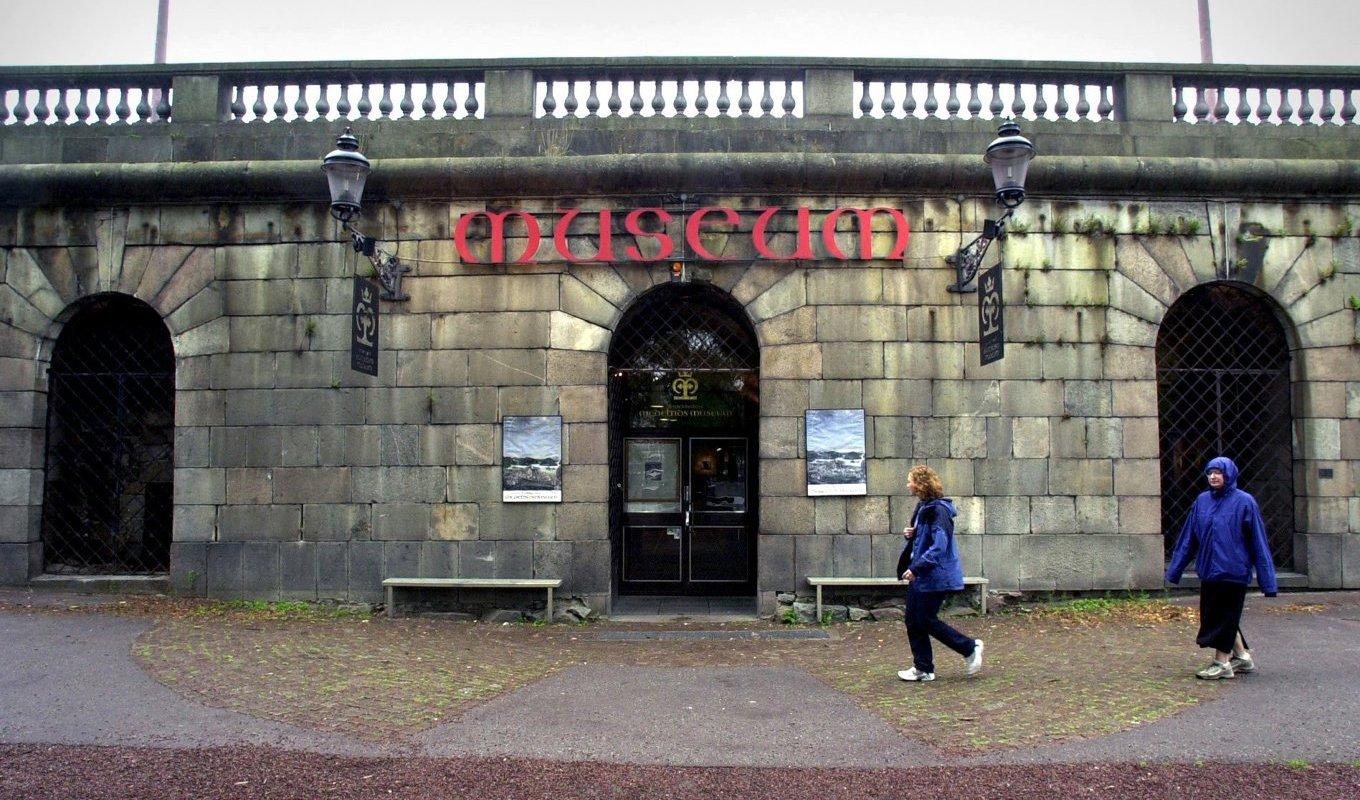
x,y
298,478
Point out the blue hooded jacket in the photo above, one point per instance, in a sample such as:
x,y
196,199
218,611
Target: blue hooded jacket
x,y
931,555
1225,535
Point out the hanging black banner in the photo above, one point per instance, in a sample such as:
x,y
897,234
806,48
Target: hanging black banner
x,y
991,317
363,345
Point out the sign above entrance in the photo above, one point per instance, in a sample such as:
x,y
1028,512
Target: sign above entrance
x,y
773,233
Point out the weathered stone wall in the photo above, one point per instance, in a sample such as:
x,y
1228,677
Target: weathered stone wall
x,y
296,477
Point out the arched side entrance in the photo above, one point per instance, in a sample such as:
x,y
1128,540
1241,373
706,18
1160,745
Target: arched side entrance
x,y
108,493
1223,388
683,420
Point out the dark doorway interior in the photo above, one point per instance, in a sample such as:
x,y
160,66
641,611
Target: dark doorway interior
x,y
1223,388
108,496
684,414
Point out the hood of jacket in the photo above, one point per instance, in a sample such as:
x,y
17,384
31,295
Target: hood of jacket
x,y
1229,472
944,505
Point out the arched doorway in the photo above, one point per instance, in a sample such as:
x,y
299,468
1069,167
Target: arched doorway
x,y
1223,388
683,419
108,493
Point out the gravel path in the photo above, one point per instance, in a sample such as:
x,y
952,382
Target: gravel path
x,y
238,773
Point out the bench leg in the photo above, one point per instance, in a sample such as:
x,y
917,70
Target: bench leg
x,y
818,620
550,605
982,602
391,612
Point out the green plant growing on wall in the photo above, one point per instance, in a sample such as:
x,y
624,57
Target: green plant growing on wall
x,y
1187,226
1344,227
1092,225
1018,227
309,330
335,383
1354,302
1328,271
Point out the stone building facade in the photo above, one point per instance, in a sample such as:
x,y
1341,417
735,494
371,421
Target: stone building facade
x,y
297,477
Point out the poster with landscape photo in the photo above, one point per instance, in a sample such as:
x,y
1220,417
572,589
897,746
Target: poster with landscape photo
x,y
835,452
531,459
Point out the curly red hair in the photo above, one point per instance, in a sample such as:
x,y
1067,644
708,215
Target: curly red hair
x,y
928,481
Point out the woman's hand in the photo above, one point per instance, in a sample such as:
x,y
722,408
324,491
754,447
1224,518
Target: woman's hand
x,y
907,576
908,532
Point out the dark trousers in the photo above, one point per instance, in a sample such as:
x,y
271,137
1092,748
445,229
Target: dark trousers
x,y
1220,614
923,622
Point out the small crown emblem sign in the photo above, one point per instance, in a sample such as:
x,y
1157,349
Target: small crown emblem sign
x,y
685,387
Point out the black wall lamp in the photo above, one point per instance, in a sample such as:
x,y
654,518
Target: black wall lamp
x,y
346,171
1009,155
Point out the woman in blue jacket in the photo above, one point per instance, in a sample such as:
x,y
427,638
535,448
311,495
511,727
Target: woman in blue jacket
x,y
929,564
1226,536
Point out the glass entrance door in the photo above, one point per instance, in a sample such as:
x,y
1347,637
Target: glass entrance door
x,y
687,519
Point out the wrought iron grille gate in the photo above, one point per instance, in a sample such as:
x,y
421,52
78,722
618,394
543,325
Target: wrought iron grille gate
x,y
108,498
1223,389
678,326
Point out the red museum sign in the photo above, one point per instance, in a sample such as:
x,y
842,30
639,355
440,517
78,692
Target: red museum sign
x,y
491,225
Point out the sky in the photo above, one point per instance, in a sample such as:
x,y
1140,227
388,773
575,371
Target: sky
x,y
1293,32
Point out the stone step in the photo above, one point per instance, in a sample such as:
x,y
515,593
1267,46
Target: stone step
x,y
103,584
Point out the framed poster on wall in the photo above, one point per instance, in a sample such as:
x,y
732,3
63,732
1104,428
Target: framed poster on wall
x,y
531,459
835,452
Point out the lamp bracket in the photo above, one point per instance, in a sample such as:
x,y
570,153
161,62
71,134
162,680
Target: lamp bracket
x,y
388,267
968,259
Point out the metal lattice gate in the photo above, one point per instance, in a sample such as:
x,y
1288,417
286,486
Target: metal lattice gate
x,y
1223,388
108,497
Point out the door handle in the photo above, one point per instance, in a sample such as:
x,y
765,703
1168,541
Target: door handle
x,y
687,506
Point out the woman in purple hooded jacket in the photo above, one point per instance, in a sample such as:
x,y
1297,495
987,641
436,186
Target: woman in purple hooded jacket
x,y
1226,536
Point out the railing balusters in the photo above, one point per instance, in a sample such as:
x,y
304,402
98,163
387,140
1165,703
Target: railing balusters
x,y
1200,94
101,109
470,105
63,110
549,102
635,102
658,102
1061,107
122,111
40,111
593,101
385,104
570,104
323,103
1306,107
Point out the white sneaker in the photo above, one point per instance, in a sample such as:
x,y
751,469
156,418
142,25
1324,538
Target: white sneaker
x,y
974,659
913,675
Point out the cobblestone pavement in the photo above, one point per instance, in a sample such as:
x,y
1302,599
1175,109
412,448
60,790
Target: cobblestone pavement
x,y
73,677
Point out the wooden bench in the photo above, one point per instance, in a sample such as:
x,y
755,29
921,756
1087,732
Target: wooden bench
x,y
390,585
879,582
